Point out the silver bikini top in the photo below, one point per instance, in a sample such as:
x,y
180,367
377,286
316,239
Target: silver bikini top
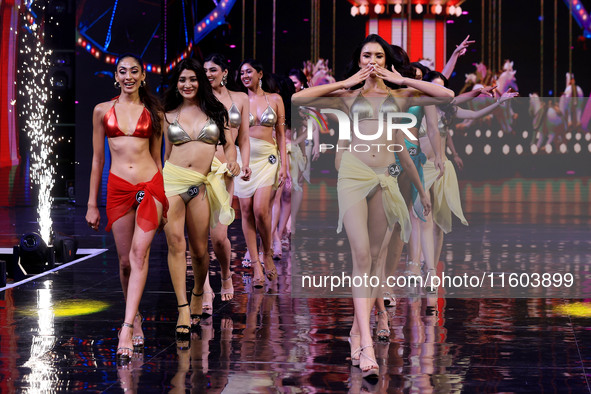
x,y
234,115
210,133
268,117
364,109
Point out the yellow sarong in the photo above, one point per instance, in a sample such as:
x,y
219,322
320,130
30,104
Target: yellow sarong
x,y
297,165
178,179
219,168
357,179
446,194
264,164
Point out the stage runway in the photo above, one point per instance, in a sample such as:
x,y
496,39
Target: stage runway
x,y
59,332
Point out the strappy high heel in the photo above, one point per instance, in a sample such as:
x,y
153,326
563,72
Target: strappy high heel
x,y
207,307
271,273
229,291
124,356
374,370
354,352
138,340
384,333
180,335
195,316
258,282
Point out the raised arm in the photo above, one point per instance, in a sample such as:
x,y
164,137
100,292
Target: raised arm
x,y
459,51
467,96
470,114
439,94
335,89
93,216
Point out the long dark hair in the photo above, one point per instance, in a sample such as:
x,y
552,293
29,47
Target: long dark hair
x,y
285,89
402,62
150,101
222,61
259,68
353,66
299,74
205,98
424,69
449,110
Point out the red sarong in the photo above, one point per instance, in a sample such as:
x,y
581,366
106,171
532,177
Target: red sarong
x,y
123,196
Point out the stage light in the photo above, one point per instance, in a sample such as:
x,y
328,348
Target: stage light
x,y
578,136
363,9
487,149
533,149
577,148
451,10
562,148
577,309
458,11
488,133
397,8
519,149
468,149
524,134
548,148
589,147
588,136
569,135
500,134
379,8
438,9
419,8
506,149
33,255
478,133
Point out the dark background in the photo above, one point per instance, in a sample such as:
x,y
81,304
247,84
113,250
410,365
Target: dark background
x,y
137,27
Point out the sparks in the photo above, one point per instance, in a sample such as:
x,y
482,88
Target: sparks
x,y
39,120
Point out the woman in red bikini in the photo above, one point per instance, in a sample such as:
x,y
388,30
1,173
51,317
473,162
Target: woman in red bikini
x,y
136,202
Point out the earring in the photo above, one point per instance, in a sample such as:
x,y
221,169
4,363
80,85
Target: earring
x,y
117,85
261,83
143,83
224,80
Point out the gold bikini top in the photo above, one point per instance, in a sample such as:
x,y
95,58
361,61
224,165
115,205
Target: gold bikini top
x,y
234,115
364,110
268,117
210,133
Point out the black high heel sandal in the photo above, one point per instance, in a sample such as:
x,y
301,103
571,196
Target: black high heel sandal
x,y
180,335
195,316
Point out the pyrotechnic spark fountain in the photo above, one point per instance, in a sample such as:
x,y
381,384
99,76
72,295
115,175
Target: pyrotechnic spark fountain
x,y
39,120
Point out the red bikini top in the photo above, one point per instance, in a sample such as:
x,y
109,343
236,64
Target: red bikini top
x,y
143,129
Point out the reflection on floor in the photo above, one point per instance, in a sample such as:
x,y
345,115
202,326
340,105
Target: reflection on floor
x,y
59,333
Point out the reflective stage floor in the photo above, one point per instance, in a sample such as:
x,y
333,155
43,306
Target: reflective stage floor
x,y
59,332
